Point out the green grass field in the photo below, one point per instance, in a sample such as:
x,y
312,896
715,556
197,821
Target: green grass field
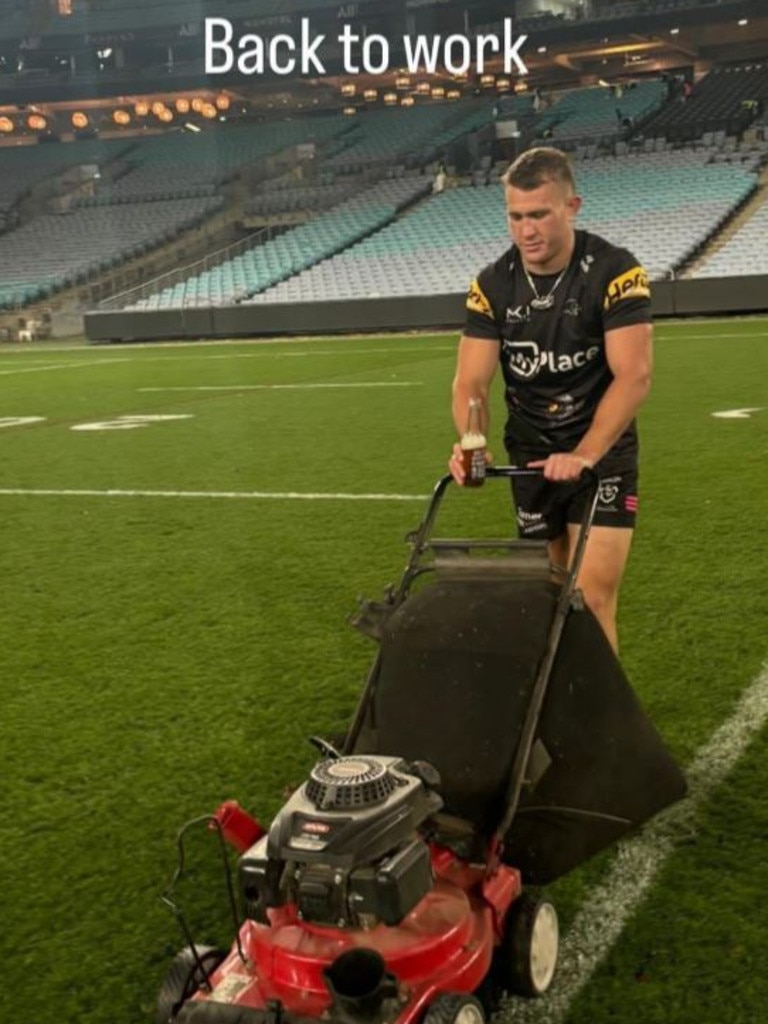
x,y
162,651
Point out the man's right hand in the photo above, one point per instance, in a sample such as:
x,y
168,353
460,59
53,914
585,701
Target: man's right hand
x,y
455,465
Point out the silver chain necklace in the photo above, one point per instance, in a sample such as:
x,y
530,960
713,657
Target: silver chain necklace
x,y
543,301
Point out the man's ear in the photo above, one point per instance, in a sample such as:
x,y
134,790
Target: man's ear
x,y
574,205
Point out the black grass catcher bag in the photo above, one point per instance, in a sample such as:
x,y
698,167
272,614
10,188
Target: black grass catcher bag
x,y
505,683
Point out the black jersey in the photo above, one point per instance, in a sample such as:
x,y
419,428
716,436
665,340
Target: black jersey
x,y
551,337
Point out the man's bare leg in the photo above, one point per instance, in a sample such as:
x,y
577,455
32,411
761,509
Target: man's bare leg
x,y
602,570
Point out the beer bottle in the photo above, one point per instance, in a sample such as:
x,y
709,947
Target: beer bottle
x,y
473,446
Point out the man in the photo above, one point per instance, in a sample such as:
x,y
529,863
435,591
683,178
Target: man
x,y
568,317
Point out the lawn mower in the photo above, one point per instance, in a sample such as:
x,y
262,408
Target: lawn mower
x,y
496,745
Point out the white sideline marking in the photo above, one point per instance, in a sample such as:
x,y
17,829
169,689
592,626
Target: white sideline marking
x,y
289,387
737,414
608,906
247,495
352,350
62,366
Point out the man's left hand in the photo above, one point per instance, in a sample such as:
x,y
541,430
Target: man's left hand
x,y
562,467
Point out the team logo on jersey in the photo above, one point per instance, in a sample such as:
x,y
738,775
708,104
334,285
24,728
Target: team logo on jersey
x,y
477,302
518,315
632,284
571,307
525,359
608,492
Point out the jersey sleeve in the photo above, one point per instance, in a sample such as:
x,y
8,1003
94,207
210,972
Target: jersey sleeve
x,y
480,317
627,294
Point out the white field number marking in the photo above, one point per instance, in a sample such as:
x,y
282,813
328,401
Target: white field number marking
x,y
132,422
737,414
19,421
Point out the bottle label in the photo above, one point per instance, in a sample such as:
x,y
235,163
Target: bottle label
x,y
473,461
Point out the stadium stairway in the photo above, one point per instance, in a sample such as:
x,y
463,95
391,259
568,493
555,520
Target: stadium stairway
x,y
756,204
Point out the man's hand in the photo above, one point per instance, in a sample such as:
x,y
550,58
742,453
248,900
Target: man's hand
x,y
563,467
456,467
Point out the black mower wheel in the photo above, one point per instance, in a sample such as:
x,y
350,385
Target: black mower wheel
x,y
183,979
526,960
455,1008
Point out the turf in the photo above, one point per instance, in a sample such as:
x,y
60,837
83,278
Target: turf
x,y
164,653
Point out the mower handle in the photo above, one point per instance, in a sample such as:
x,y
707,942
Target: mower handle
x,y
419,537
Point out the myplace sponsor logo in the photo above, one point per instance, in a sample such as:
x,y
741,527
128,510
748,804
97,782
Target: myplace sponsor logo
x,y
525,359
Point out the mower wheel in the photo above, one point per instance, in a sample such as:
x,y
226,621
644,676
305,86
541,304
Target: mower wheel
x,y
455,1008
526,960
183,979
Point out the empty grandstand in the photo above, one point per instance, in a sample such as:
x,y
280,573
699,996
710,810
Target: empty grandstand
x,y
662,105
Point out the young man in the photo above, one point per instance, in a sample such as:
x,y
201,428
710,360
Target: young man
x,y
568,317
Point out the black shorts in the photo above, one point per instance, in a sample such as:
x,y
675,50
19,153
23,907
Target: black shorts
x,y
544,509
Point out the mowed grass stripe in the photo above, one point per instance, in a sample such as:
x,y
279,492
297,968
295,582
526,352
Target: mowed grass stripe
x,y
165,655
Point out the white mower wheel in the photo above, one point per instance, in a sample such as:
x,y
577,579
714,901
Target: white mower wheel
x,y
455,1008
526,960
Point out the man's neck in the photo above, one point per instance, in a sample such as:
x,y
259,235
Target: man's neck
x,y
554,265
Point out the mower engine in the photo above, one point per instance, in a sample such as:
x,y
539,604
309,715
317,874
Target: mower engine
x,y
346,849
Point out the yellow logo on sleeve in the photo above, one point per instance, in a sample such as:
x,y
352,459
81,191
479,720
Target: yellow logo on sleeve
x,y
477,302
632,284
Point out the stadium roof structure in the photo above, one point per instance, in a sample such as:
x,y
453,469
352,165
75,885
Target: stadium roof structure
x,y
86,50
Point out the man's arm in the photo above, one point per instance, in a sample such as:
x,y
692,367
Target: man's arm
x,y
476,366
629,353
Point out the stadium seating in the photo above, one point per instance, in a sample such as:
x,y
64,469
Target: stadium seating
x,y
58,250
183,165
293,251
595,112
383,137
661,205
23,168
715,105
744,253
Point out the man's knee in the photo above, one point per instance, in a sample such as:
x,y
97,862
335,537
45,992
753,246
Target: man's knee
x,y
599,598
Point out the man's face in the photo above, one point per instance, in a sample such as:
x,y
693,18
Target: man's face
x,y
541,224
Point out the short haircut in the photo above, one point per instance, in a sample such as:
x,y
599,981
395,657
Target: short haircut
x,y
539,166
